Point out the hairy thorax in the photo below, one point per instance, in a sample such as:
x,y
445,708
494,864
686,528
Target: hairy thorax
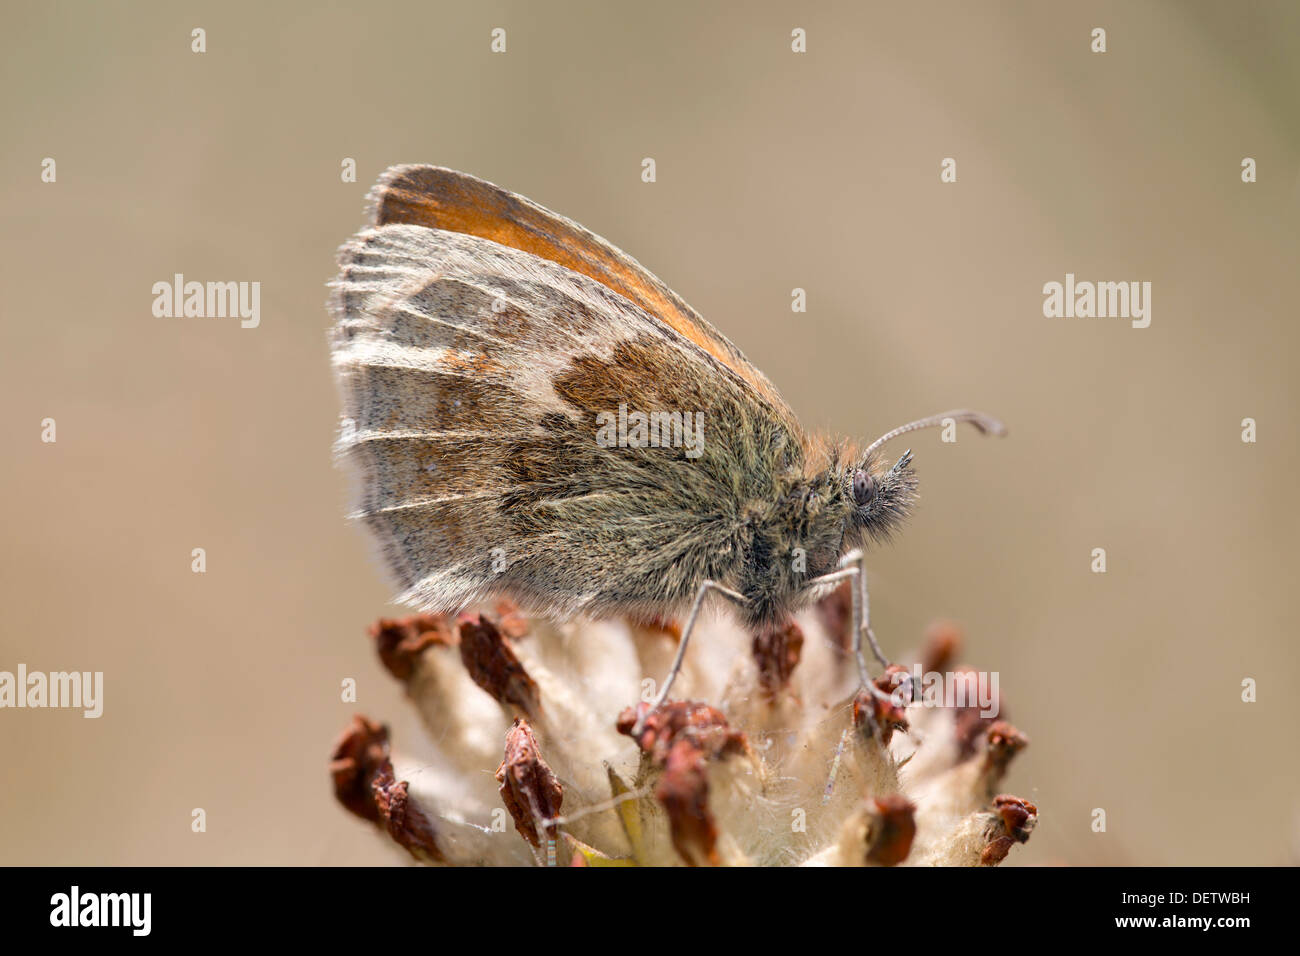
x,y
787,542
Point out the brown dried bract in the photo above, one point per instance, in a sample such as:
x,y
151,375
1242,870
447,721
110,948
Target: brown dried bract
x,y
529,789
401,641
683,790
943,641
681,737
1018,815
879,715
972,725
835,611
897,678
358,755
512,621
1014,821
702,726
996,851
404,821
658,627
494,666
891,828
939,654
1004,742
776,652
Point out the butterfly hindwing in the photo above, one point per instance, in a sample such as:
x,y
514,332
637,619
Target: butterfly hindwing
x,y
474,375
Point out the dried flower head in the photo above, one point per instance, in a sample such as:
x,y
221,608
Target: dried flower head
x,y
773,754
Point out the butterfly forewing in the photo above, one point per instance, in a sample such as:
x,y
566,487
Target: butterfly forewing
x,y
440,198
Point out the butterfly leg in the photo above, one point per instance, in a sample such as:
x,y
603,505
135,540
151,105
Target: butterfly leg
x,y
853,568
681,646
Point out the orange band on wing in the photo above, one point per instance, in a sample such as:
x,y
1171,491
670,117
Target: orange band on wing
x,y
445,199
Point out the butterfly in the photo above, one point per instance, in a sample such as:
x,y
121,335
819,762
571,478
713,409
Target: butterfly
x,y
535,416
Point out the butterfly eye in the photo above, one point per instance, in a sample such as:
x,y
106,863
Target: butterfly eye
x,y
864,488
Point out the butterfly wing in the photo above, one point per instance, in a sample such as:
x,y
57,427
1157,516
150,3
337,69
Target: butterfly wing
x,y
474,378
440,198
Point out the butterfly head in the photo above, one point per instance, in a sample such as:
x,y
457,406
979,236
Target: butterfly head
x,y
882,494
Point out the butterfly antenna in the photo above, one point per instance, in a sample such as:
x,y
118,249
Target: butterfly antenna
x,y
987,425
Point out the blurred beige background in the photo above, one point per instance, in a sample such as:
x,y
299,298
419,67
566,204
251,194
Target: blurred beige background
x,y
775,171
